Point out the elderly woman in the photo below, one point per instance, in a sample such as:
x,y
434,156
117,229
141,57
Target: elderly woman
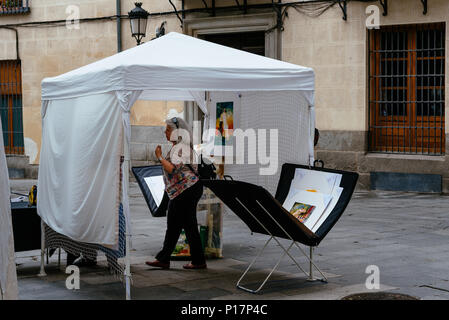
x,y
184,191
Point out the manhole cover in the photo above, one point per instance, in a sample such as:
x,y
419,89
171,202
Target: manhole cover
x,y
379,296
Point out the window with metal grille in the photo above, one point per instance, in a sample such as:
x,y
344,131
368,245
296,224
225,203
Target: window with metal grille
x,y
406,89
14,6
11,106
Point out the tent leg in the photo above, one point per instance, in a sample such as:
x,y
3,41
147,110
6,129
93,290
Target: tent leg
x,y
127,269
125,190
42,270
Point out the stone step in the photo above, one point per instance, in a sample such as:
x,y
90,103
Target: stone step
x,y
21,185
17,161
19,167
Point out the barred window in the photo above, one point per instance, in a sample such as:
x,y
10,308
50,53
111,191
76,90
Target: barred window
x,y
11,106
14,6
406,89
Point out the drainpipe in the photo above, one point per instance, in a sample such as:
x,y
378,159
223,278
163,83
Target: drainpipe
x,y
119,25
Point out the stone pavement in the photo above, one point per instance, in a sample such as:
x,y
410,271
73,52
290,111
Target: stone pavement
x,y
404,234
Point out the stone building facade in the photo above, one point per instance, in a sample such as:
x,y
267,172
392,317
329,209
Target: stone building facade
x,y
344,54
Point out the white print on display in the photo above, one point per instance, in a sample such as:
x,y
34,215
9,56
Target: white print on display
x,y
335,197
156,186
319,200
318,189
319,181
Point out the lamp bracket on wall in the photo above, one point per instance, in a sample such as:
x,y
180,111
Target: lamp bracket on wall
x,y
384,5
343,6
424,4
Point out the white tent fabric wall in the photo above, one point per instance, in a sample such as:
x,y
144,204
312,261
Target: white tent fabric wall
x,y
8,274
287,112
79,176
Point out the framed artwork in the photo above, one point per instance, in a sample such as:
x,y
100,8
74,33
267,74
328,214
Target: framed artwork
x,y
224,123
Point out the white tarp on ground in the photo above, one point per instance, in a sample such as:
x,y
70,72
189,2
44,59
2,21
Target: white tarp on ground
x,y
173,67
8,275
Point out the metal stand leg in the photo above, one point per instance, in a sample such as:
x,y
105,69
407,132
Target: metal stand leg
x,y
310,265
297,245
249,267
286,252
42,270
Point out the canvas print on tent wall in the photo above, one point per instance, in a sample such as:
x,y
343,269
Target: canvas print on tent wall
x,y
224,123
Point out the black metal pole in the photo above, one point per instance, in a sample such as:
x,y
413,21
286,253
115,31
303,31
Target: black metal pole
x,y
119,25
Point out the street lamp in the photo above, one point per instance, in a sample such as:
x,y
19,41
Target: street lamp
x,y
138,18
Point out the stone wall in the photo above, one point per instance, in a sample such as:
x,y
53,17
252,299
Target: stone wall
x,y
48,51
336,49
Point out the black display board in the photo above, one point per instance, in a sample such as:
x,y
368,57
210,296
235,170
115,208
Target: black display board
x,y
263,213
348,183
151,171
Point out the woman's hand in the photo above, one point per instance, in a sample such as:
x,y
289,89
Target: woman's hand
x,y
167,165
158,151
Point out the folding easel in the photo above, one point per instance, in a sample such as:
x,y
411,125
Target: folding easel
x,y
264,214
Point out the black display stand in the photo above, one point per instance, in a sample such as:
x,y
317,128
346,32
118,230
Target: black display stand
x,y
264,214
140,173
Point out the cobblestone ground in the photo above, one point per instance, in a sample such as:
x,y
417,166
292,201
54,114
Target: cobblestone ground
x,y
405,235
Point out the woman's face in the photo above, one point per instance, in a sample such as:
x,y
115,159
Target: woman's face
x,y
168,131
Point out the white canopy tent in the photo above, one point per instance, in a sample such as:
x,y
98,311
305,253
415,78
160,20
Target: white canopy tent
x,y
86,120
8,275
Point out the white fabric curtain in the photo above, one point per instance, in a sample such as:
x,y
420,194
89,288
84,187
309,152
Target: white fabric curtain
x,y
8,275
200,99
288,113
126,100
79,176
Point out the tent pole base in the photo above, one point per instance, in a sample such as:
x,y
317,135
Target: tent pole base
x,y
42,270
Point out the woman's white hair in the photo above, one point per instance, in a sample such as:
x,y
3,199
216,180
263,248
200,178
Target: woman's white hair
x,y
184,133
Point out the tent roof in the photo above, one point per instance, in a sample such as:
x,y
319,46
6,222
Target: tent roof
x,y
173,65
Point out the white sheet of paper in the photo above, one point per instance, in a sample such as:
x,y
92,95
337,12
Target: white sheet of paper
x,y
319,200
335,196
157,187
323,182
